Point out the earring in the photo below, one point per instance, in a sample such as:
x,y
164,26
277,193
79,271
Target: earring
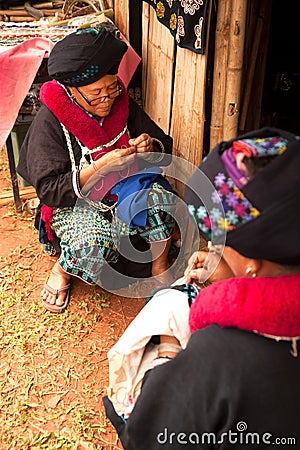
x,y
249,270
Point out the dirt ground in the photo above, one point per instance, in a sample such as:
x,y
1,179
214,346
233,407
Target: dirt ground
x,y
53,368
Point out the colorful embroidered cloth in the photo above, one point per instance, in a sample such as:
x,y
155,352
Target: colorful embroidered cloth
x,y
13,33
186,20
237,208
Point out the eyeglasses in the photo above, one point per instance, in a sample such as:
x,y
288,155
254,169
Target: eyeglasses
x,y
96,100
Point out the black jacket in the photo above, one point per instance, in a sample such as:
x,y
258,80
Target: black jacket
x,y
227,383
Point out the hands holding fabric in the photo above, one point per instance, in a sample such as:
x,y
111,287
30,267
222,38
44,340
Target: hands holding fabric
x,y
143,143
207,265
116,160
120,158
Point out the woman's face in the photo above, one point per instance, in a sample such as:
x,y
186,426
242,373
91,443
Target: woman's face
x,y
94,97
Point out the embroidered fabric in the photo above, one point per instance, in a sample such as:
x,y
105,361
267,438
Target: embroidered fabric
x,y
186,21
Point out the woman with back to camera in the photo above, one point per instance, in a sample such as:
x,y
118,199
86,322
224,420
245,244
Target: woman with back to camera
x,y
82,145
237,380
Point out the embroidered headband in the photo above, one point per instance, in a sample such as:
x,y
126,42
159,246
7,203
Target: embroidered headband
x,y
83,57
258,215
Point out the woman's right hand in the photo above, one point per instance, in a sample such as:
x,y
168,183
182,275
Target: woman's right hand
x,y
116,160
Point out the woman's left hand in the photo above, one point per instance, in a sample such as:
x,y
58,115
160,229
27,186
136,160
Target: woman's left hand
x,y
204,265
143,143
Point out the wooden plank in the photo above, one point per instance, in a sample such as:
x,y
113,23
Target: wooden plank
x,y
122,17
110,3
25,193
188,113
159,72
219,76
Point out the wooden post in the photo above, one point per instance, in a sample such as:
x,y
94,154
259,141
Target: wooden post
x,y
235,68
145,40
220,70
188,109
13,174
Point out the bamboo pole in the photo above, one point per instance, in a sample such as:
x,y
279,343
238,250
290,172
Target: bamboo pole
x,y
9,12
22,18
54,5
24,14
219,76
235,68
25,193
145,41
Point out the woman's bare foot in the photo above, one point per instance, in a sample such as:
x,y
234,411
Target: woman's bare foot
x,y
58,280
169,346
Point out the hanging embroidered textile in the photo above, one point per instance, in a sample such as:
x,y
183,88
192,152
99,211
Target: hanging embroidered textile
x,y
186,20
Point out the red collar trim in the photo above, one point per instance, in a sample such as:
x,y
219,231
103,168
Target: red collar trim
x,y
78,122
269,306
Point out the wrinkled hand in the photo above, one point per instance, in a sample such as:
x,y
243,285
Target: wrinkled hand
x,y
207,266
143,143
117,160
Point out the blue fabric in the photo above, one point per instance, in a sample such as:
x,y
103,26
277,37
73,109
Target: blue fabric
x,y
133,195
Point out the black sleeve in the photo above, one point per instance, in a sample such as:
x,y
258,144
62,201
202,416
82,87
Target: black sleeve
x,y
177,400
225,377
45,163
139,122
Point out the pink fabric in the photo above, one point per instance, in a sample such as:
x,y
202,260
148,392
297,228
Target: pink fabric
x,y
129,63
19,66
265,305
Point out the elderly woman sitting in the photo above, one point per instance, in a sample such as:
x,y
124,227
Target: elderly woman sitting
x,y
87,154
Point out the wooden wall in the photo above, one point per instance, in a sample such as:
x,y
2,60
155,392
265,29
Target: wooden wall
x,y
174,82
174,79
158,62
121,16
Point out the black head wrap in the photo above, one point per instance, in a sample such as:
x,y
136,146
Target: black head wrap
x,y
83,57
261,219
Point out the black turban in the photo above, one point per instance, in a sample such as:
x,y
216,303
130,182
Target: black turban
x,y
261,219
83,57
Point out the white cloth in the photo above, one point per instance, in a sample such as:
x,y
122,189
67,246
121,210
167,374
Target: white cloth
x,y
167,313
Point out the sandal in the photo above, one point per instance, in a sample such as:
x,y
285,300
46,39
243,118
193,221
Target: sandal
x,y
57,308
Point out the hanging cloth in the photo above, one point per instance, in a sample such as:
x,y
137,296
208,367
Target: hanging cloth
x,y
185,19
